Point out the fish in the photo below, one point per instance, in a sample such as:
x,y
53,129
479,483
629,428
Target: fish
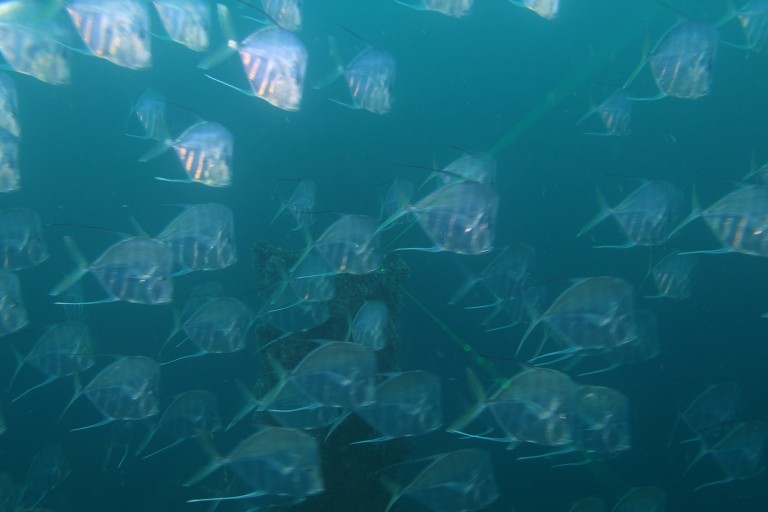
x,y
202,238
189,415
289,313
602,422
47,469
13,313
9,106
590,504
301,205
65,349
150,111
273,462
369,77
753,18
285,13
647,216
337,374
217,327
740,452
649,499
126,390
10,172
29,12
681,61
115,30
205,152
399,194
673,276
536,406
505,279
21,239
37,51
370,325
137,270
274,61
474,166
737,220
407,404
547,9
187,22
351,245
312,279
615,114
459,217
452,8
595,314
713,408
458,481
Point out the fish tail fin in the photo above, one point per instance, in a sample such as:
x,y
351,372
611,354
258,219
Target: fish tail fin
x,y
648,271
643,60
730,13
337,70
527,333
481,400
75,396
695,214
77,274
145,442
251,403
140,231
338,422
753,167
176,330
393,489
282,374
673,430
216,460
702,452
20,360
152,153
605,211
280,211
221,54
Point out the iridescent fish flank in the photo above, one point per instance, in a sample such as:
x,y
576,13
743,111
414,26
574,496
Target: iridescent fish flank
x,y
205,153
274,61
9,106
13,314
115,30
202,237
150,111
369,77
187,22
753,18
738,221
36,51
21,239
10,174
286,13
615,114
682,61
138,270
547,9
452,8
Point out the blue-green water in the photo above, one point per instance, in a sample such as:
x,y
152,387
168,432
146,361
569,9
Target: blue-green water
x,y
499,80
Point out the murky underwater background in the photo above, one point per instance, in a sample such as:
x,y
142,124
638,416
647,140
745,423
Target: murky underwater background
x,y
500,80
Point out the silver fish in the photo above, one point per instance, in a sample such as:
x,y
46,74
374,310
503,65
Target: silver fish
x,y
138,270
187,22
115,30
